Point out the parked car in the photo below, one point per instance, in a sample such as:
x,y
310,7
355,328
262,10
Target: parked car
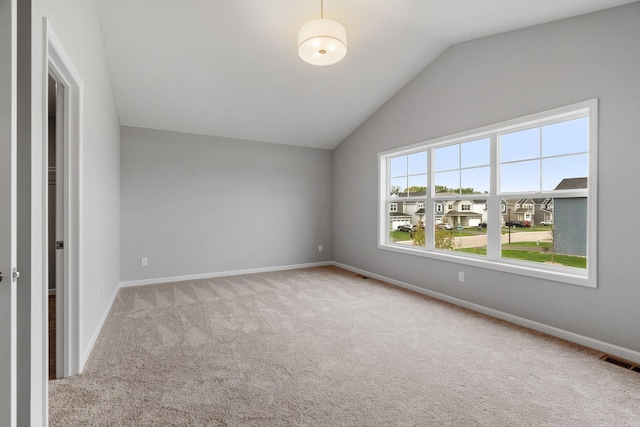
x,y
546,222
407,227
514,224
445,226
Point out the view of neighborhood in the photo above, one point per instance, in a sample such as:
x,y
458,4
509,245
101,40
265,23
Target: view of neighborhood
x,y
549,230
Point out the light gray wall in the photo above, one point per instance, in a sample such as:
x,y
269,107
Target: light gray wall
x,y
493,79
197,204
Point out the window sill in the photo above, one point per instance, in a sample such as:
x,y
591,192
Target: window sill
x,y
560,274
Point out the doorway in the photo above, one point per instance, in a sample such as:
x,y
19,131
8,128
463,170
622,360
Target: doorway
x,y
55,223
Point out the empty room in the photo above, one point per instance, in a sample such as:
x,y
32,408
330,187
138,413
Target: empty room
x,y
319,213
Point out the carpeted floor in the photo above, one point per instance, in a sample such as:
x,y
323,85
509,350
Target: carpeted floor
x,y
323,347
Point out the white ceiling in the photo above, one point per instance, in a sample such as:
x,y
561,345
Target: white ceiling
x,y
230,67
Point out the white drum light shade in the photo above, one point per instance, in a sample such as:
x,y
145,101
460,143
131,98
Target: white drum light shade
x,y
322,42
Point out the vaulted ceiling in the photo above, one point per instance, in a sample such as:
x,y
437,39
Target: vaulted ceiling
x,y
230,67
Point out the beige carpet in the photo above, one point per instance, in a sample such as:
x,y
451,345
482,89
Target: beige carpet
x,y
323,347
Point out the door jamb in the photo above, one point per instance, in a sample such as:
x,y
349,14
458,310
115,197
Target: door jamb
x,y
60,66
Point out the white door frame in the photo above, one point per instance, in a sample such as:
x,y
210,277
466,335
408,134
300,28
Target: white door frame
x,y
61,218
8,215
61,68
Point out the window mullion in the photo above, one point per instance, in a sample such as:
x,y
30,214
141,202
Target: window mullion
x,y
494,213
385,199
540,160
429,205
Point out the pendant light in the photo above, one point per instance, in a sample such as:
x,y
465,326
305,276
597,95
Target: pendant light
x,y
322,41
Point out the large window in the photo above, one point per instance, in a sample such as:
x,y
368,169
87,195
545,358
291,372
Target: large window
x,y
518,196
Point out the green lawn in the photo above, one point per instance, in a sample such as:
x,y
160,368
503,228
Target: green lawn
x,y
399,236
521,251
567,260
527,245
477,251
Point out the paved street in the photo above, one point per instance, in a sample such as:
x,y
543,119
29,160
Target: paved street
x,y
481,239
522,236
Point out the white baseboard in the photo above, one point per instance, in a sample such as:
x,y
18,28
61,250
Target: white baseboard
x,y
605,347
222,274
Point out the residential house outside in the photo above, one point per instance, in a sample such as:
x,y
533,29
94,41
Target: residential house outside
x,y
535,211
397,216
467,213
543,211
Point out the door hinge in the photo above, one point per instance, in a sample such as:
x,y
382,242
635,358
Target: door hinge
x,y
59,244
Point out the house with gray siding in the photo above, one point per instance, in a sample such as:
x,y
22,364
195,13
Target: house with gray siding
x,y
570,220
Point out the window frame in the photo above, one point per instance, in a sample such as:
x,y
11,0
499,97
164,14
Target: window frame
x,y
583,277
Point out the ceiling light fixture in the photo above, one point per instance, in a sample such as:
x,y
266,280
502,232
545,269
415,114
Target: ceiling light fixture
x,y
322,41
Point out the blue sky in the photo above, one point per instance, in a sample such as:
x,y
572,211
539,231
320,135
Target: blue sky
x,y
535,159
559,151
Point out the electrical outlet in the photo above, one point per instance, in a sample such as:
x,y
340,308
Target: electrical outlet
x,y
460,276
143,260
320,248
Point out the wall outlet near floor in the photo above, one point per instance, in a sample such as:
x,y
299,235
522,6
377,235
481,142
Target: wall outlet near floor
x,y
460,276
143,260
320,248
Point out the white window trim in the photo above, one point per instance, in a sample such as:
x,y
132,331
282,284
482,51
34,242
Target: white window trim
x,y
583,277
